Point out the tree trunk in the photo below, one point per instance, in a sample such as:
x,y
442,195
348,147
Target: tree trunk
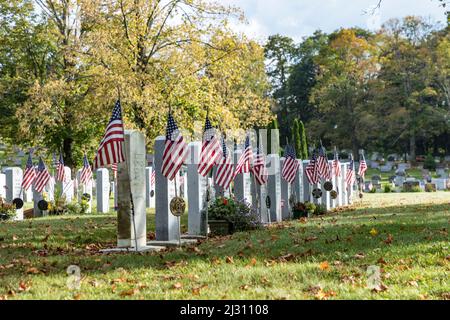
x,y
68,152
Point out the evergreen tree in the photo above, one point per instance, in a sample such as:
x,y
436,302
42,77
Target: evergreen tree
x,y
303,143
296,139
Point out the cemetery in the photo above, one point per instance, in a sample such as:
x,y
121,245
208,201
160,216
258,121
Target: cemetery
x,y
222,173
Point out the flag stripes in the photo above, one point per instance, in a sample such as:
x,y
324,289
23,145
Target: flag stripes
x,y
111,146
290,166
29,175
42,178
225,168
211,150
175,150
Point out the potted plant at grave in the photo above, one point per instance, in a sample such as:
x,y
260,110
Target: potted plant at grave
x,y
303,210
7,210
227,215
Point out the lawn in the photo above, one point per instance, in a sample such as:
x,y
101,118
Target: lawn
x,y
406,235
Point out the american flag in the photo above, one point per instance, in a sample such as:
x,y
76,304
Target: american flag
x,y
152,178
111,147
211,150
311,170
42,178
291,165
86,172
336,165
260,169
225,168
350,179
60,169
175,150
29,175
362,166
322,165
246,159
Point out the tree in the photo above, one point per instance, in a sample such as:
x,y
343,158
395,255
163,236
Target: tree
x,y
303,142
296,139
343,89
280,54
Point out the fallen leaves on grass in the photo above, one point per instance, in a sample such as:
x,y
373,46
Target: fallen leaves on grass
x,y
324,266
380,288
177,286
32,270
389,239
373,232
129,293
229,260
196,291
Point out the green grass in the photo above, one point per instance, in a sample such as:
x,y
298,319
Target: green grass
x,y
405,234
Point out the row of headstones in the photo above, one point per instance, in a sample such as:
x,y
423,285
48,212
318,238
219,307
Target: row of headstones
x,y
245,188
11,181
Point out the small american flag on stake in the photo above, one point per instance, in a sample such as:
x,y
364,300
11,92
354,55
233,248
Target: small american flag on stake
x,y
29,175
86,172
362,166
42,178
211,150
291,165
350,179
336,165
60,169
322,165
225,168
152,178
111,146
259,169
246,159
175,150
311,169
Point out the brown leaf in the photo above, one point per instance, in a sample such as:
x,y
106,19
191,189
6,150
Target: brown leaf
x,y
389,239
77,296
32,270
15,237
229,260
360,256
129,293
381,288
177,285
244,287
196,291
413,284
287,257
382,261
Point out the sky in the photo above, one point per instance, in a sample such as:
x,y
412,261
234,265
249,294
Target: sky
x,y
300,18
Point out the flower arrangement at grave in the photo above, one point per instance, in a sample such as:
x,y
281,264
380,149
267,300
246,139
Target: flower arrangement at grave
x,y
7,210
303,209
237,213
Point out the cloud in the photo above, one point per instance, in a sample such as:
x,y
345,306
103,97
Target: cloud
x,y
300,18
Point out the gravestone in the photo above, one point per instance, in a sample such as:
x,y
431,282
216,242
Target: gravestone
x,y
50,189
68,188
441,172
351,189
344,188
399,180
306,186
36,198
297,188
149,189
196,192
408,186
13,181
274,187
374,165
339,190
242,182
166,223
28,195
441,184
103,189
285,195
262,208
326,199
131,192
2,186
86,189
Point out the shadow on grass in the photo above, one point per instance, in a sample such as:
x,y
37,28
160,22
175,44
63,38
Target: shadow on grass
x,y
334,237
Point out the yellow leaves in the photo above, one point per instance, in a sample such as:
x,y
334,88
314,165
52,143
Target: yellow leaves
x,y
373,232
320,294
129,293
32,270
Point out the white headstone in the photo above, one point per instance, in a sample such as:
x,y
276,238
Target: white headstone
x,y
2,186
68,185
274,187
149,189
85,189
103,190
13,177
